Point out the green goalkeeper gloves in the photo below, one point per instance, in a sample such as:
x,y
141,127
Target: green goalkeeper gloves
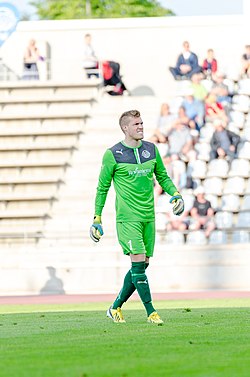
x,y
96,230
178,203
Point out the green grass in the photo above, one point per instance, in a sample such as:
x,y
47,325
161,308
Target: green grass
x,y
208,338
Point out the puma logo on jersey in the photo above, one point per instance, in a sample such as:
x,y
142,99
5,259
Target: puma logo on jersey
x,y
120,151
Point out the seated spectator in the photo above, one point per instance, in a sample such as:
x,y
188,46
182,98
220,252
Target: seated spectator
x,y
220,89
30,60
112,78
199,90
245,63
209,65
201,214
180,141
186,65
195,109
214,109
164,124
179,223
90,61
223,143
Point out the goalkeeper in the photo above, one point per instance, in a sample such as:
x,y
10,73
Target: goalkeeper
x,y
132,165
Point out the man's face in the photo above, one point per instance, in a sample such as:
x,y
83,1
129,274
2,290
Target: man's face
x,y
134,129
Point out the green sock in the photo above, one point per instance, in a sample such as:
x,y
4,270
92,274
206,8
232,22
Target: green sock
x,y
126,291
140,281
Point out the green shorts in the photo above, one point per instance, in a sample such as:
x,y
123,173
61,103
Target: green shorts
x,y
137,237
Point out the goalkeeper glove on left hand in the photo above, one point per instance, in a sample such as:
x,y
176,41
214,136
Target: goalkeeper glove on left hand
x,y
178,203
96,230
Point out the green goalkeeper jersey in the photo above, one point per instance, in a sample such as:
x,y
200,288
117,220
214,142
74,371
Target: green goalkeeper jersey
x,y
132,171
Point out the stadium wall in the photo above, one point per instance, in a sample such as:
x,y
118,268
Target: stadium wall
x,y
100,269
145,47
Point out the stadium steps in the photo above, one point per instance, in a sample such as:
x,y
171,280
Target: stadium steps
x,y
40,128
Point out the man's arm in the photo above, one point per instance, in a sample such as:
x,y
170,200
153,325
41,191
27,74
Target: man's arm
x,y
105,178
104,183
162,176
168,186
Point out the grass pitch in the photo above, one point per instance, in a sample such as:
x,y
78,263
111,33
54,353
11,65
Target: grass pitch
x,y
209,338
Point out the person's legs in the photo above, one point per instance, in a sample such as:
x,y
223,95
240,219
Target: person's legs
x,y
137,240
127,290
175,72
140,281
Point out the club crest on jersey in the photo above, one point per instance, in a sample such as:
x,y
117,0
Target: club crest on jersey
x,y
145,154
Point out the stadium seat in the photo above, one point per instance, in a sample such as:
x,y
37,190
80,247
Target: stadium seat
x,y
234,185
213,185
240,102
230,84
247,191
246,134
244,150
245,206
240,236
217,168
196,237
206,133
232,127
203,151
213,200
224,220
239,167
175,238
237,118
188,200
243,220
244,86
218,237
230,202
197,169
208,84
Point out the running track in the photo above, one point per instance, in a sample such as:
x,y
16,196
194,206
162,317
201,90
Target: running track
x,y
77,299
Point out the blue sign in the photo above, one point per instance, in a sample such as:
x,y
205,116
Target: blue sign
x,y
9,18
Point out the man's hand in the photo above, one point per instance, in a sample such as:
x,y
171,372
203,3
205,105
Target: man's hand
x,y
178,203
96,230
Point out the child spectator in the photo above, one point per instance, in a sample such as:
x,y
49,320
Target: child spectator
x,y
210,65
202,213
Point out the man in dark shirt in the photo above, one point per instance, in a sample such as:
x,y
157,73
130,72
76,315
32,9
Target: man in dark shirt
x,y
186,65
223,143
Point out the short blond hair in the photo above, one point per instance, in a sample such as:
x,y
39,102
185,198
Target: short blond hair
x,y
127,115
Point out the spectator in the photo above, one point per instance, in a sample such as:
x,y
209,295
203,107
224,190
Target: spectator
x,y
214,109
31,57
210,65
164,125
90,61
199,90
180,141
223,143
201,214
112,78
245,63
179,223
186,65
195,109
220,89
